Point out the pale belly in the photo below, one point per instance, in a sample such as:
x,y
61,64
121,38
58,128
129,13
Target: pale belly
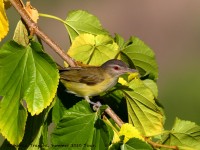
x,y
83,90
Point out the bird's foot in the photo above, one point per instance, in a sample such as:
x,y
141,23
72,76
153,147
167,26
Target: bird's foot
x,y
96,106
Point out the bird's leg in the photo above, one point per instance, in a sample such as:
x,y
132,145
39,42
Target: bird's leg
x,y
88,100
95,105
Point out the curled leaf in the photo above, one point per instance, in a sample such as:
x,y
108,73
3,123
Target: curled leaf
x,y
3,21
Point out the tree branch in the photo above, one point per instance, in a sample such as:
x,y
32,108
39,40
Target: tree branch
x,y
33,26
114,116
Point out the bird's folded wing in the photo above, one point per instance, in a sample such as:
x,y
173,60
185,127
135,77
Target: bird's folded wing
x,y
89,76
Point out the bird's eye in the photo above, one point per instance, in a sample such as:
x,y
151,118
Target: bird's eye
x,y
116,67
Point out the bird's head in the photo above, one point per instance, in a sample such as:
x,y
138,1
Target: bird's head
x,y
116,67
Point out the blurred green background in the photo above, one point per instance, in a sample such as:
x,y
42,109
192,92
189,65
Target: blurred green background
x,y
171,28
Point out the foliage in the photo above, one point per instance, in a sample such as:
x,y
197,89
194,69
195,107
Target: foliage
x,y
33,99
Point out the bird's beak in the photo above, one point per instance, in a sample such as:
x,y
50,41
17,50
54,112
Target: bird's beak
x,y
129,70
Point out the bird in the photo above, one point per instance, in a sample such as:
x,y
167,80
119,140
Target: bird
x,y
88,81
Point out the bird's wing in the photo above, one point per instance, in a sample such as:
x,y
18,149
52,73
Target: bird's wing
x,y
87,75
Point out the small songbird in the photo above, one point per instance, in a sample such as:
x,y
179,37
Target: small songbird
x,y
91,81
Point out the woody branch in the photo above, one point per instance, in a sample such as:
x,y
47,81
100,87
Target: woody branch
x,y
33,26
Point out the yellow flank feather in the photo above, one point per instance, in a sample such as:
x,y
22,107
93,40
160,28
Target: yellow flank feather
x,y
82,89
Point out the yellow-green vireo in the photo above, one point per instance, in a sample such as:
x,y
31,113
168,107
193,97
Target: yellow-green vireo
x,y
91,80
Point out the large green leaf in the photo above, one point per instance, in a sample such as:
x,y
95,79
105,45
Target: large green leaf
x,y
36,135
143,112
79,22
81,128
26,73
63,100
94,50
142,57
43,81
136,144
12,116
184,134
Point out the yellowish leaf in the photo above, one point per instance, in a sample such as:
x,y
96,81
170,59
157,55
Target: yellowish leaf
x,y
21,34
93,49
3,21
32,12
133,76
115,137
122,81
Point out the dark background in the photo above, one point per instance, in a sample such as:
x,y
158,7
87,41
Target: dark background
x,y
171,28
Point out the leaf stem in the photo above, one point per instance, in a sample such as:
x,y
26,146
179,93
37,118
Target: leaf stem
x,y
52,17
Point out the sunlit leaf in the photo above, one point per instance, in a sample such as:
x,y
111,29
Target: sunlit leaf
x,y
143,112
12,116
26,73
43,79
184,134
152,86
79,22
94,50
21,34
3,21
120,41
142,57
87,130
122,81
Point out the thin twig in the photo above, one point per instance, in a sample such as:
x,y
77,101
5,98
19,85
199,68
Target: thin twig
x,y
157,145
114,116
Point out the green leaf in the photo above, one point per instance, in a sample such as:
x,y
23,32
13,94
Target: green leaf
x,y
26,73
63,100
152,86
44,80
21,34
184,134
115,99
143,112
57,111
120,41
94,50
142,57
36,136
87,130
12,117
79,22
136,144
